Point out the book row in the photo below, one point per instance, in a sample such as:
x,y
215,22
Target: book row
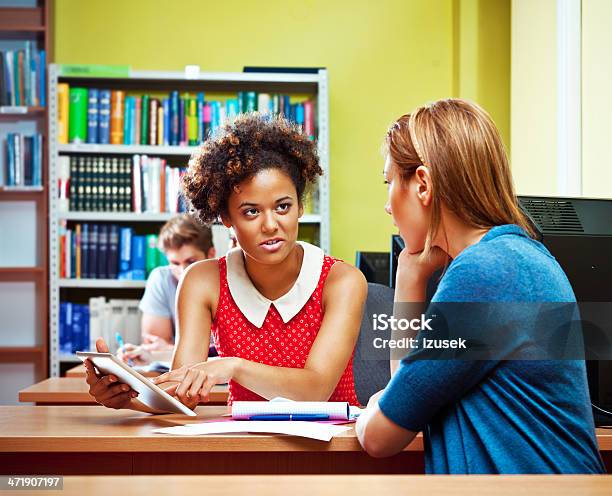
x,y
81,324
22,76
106,251
112,117
119,184
23,160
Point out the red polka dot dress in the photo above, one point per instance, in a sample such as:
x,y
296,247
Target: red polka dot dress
x,y
278,333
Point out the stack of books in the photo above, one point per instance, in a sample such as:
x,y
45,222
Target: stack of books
x,y
23,160
107,251
119,184
22,77
80,325
101,116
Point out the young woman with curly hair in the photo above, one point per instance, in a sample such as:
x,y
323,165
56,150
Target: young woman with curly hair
x,y
285,316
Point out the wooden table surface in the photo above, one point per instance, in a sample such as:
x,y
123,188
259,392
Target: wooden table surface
x,y
92,440
332,485
73,440
74,390
79,371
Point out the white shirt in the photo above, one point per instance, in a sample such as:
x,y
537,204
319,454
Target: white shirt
x,y
254,305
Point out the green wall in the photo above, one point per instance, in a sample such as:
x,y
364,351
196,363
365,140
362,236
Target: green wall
x,y
384,58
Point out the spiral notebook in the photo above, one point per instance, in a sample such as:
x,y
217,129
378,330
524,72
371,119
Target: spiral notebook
x,y
335,410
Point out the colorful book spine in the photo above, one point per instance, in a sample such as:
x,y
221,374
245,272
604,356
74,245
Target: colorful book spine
x,y
93,117
101,271
93,251
127,120
105,116
309,119
192,122
174,118
138,260
73,254
77,120
299,116
43,78
125,252
166,125
200,118
206,120
78,244
116,119
160,125
137,120
153,106
63,102
152,259
112,268
144,121
182,135
85,251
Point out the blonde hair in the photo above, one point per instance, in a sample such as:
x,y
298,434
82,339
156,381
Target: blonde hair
x,y
462,148
185,230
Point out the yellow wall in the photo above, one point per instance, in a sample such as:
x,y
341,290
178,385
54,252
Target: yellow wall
x,y
384,58
534,96
482,64
596,98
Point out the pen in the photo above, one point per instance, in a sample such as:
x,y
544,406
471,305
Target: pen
x,y
121,344
303,417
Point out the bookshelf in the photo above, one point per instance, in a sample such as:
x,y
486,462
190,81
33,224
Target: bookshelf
x,y
315,86
24,269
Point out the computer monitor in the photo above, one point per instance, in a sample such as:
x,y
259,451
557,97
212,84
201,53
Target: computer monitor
x,y
578,233
374,265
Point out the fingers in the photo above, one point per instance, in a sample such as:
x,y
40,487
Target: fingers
x,y
173,375
186,383
112,394
101,385
91,377
208,384
194,391
101,346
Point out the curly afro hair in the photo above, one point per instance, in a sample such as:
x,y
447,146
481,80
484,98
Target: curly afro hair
x,y
239,150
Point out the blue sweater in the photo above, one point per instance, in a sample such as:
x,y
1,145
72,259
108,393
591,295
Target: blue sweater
x,y
498,416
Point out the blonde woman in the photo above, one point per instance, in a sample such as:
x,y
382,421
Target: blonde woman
x,y
452,198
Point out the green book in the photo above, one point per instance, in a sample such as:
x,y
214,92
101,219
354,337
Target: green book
x,y
151,255
144,120
77,115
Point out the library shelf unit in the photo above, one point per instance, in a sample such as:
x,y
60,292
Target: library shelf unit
x,y
315,86
20,24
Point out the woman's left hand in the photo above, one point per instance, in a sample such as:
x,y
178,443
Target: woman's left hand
x,y
194,382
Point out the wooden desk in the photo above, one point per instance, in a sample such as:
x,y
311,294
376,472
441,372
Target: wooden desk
x,y
332,485
79,371
88,440
65,440
75,391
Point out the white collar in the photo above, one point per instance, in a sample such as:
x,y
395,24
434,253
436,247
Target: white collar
x,y
254,305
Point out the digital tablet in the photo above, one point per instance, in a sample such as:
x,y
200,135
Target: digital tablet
x,y
149,393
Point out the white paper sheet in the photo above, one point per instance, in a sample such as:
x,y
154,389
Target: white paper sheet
x,y
312,430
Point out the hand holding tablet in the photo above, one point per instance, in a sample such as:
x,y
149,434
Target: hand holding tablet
x,y
117,396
